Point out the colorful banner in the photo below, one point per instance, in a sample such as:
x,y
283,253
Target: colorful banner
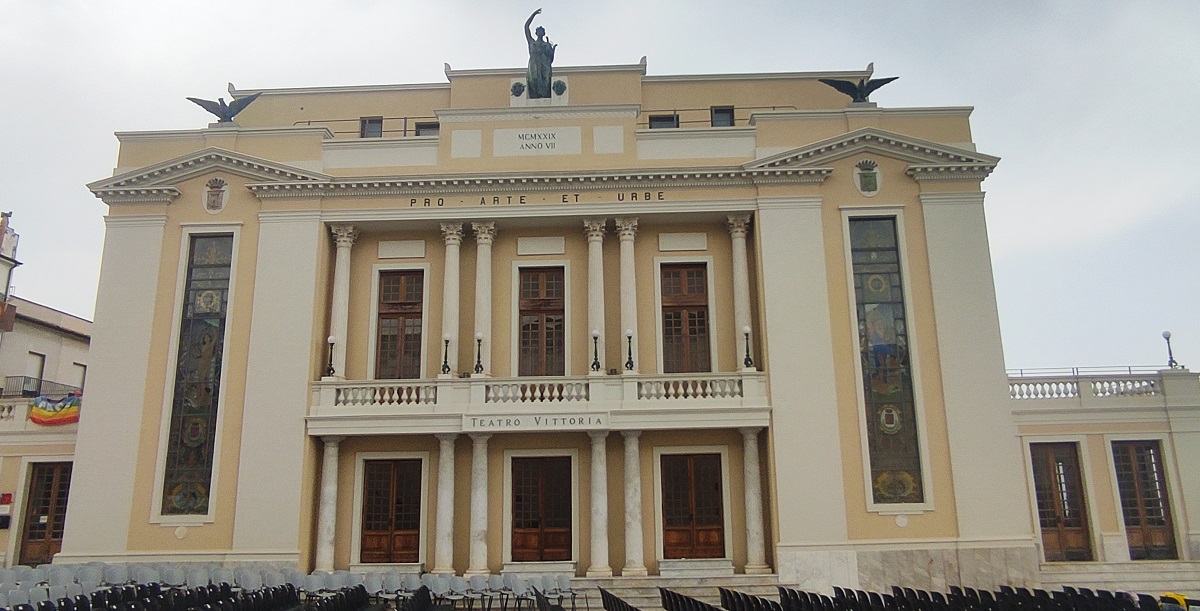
x,y
52,413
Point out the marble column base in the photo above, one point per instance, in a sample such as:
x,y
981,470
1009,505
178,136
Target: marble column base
x,y
758,569
637,571
600,572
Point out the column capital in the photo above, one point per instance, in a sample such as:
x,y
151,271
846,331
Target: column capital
x,y
631,434
480,437
447,437
452,233
485,232
598,436
343,235
750,431
332,440
626,227
738,224
594,229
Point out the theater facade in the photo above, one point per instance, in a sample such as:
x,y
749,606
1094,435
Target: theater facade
x,y
685,325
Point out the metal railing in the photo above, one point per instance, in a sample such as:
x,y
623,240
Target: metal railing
x,y
702,117
26,386
408,126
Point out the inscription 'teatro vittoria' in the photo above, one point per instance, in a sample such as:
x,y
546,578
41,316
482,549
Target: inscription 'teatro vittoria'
x,y
537,141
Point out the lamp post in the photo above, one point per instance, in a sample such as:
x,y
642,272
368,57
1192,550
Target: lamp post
x,y
329,371
748,362
479,353
629,343
595,350
1170,357
446,355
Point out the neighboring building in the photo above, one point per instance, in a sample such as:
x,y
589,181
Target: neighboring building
x,y
43,362
665,325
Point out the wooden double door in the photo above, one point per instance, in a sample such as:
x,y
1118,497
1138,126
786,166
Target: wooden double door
x,y
692,506
391,511
1062,508
45,512
541,508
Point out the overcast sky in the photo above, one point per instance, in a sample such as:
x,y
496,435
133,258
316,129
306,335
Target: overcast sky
x,y
1093,212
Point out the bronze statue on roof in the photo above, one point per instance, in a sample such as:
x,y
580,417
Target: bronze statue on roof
x,y
226,112
859,91
541,55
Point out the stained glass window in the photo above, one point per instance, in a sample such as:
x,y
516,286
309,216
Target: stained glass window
x,y
188,475
895,457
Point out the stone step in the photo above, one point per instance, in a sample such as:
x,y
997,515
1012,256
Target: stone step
x,y
642,592
1149,577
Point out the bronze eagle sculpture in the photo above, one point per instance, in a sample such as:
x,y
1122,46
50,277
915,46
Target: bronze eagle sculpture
x,y
226,112
859,91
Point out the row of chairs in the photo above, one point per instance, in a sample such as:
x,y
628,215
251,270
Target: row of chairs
x,y
612,602
351,598
966,599
509,589
674,601
737,601
151,597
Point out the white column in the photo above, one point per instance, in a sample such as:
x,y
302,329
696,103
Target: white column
x,y
327,504
756,557
452,234
627,228
594,230
343,236
599,566
634,564
479,505
443,538
738,223
485,233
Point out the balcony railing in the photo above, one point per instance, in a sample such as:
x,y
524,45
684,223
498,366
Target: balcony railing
x,y
25,386
672,397
1112,387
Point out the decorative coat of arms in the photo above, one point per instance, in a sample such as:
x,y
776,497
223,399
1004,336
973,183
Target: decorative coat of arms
x,y
215,195
866,177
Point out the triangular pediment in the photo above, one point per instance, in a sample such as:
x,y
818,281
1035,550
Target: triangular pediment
x,y
157,182
922,156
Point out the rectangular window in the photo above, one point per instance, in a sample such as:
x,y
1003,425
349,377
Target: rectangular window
x,y
541,509
685,318
79,375
664,121
370,127
398,346
192,433
391,511
1062,511
35,368
892,440
542,322
427,129
722,116
1142,483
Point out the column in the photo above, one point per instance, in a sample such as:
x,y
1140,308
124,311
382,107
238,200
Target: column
x,y
634,564
443,538
452,234
738,224
485,233
343,236
594,230
479,505
627,229
756,557
599,566
327,504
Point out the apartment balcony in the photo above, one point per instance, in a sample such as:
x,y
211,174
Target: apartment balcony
x,y
29,387
539,404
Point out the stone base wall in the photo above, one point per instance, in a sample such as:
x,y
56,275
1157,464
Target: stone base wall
x,y
922,566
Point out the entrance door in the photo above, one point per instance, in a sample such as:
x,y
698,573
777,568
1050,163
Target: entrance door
x,y
391,530
1061,509
45,512
541,508
1142,482
692,502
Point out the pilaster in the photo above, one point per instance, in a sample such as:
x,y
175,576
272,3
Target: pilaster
x,y
452,236
627,230
485,234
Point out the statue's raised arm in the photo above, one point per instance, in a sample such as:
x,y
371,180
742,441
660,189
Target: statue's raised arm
x,y
529,22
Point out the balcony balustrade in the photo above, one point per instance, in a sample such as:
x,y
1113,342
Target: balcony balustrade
x,y
694,400
1117,388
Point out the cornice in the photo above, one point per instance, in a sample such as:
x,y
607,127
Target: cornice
x,y
384,143
758,76
460,214
389,186
601,111
148,195
640,68
241,93
175,134
694,133
969,171
139,220
923,111
952,199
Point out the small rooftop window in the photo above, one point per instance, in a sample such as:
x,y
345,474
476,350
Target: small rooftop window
x,y
722,116
427,129
370,127
664,121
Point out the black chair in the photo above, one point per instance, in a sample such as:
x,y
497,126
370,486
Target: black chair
x,y
46,605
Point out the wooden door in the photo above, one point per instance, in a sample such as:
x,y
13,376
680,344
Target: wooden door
x,y
692,503
391,511
45,512
1062,511
541,508
1142,483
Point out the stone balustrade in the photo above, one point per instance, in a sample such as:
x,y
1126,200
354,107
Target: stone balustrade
x,y
1130,389
448,404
